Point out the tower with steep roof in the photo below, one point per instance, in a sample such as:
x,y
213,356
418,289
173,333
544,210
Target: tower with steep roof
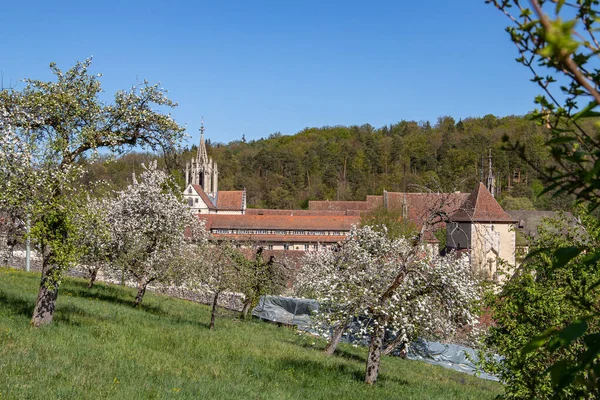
x,y
485,231
203,170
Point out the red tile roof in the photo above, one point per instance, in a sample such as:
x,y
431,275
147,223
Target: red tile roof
x,y
266,211
230,200
280,222
204,196
318,205
421,205
481,206
298,239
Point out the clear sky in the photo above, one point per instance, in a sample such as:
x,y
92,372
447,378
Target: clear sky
x,y
259,67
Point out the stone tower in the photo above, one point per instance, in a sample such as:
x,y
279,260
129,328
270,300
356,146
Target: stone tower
x,y
203,170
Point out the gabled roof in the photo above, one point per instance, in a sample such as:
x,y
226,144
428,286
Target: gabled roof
x,y
230,200
204,196
481,206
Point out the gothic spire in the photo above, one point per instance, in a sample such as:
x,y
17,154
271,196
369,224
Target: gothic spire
x,y
491,179
202,154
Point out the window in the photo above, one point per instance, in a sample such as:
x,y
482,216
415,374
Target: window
x,y
190,202
270,247
315,247
286,246
196,200
190,190
305,247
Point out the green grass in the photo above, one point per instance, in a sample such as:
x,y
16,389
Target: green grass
x,y
99,347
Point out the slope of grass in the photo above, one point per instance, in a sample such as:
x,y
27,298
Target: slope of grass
x,y
101,347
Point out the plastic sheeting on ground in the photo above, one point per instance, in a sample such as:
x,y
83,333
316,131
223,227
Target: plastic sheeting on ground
x,y
293,311
451,356
286,310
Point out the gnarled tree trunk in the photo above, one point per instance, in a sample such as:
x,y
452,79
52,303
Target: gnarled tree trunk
x,y
336,336
214,311
142,283
374,357
93,275
45,304
246,308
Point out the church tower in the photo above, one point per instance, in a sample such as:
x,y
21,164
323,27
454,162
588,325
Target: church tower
x,y
203,170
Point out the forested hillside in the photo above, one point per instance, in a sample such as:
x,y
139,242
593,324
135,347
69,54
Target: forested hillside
x,y
348,163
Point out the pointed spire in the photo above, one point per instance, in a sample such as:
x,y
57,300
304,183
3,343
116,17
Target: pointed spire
x,y
491,180
202,154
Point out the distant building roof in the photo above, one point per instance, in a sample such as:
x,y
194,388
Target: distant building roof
x,y
230,200
481,206
326,205
420,205
312,239
267,211
280,222
529,221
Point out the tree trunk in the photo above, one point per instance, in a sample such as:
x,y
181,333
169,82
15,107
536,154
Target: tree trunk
x,y
7,253
374,356
399,341
246,308
47,295
93,275
142,283
336,336
214,311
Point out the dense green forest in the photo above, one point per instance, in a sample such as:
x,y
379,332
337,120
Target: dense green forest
x,y
350,162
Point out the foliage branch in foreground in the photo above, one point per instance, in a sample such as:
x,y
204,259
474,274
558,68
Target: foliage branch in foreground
x,y
557,41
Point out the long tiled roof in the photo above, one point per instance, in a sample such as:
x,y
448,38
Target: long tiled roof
x,y
281,222
230,200
266,211
481,206
204,196
312,239
326,205
420,205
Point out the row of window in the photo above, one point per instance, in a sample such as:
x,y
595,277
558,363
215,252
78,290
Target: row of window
x,y
287,246
307,247
276,232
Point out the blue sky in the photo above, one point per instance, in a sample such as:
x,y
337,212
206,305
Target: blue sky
x,y
259,67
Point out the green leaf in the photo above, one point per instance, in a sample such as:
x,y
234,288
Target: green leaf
x,y
565,254
562,374
560,140
538,341
534,253
568,335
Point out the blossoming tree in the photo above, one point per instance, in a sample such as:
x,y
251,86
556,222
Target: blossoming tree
x,y
62,121
392,286
152,229
94,237
14,162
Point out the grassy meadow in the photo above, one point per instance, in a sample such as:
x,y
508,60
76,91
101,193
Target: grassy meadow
x,y
100,347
